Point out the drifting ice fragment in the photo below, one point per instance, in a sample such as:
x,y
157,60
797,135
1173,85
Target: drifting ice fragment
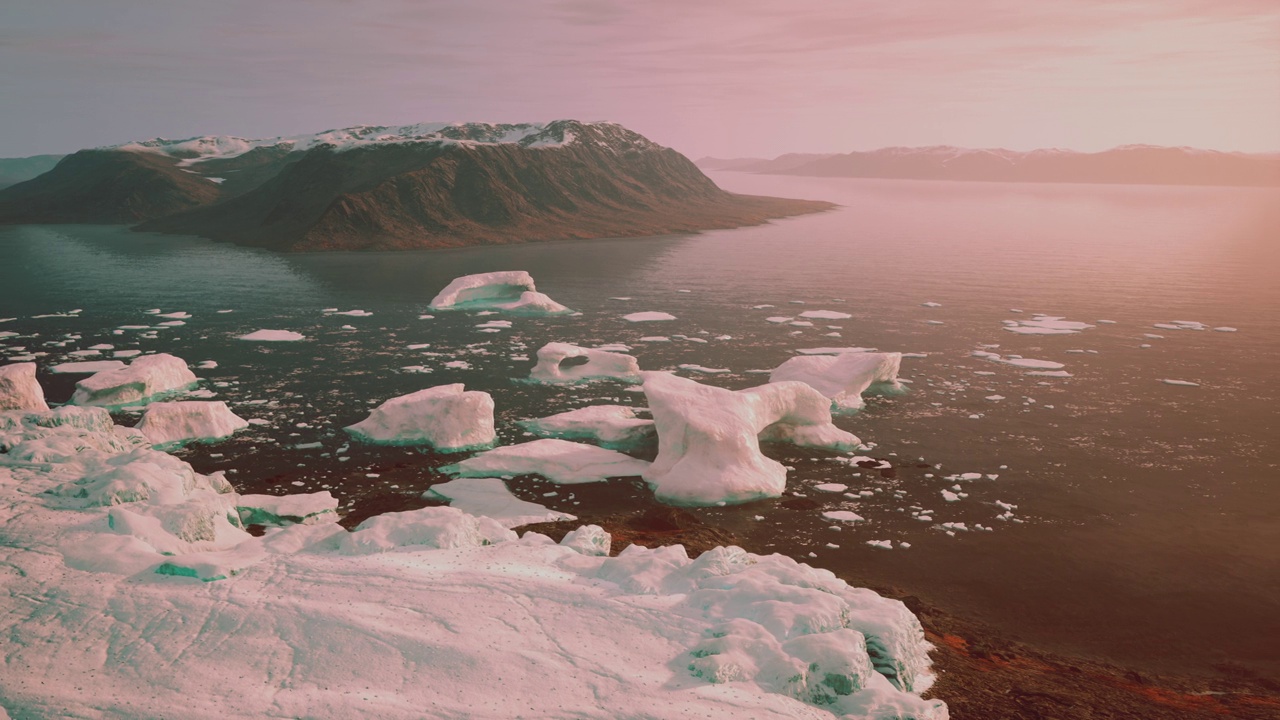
x,y
614,426
511,291
843,378
489,497
559,461
273,336
708,437
564,363
446,417
145,378
648,317
174,423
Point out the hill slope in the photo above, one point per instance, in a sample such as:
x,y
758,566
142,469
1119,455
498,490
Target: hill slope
x,y
16,170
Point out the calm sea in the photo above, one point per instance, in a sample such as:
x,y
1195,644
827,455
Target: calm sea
x,y
1145,528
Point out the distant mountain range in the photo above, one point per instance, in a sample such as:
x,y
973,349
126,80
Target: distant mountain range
x,y
1129,164
16,170
393,187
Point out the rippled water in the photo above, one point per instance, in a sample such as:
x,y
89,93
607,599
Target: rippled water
x,y
1148,529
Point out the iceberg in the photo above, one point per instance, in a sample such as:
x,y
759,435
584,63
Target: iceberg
x,y
298,509
273,336
19,389
611,426
142,380
446,417
175,423
88,367
648,317
709,437
511,291
489,497
844,377
564,363
560,461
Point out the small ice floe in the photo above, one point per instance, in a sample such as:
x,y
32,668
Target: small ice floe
x,y
458,365
931,322
174,315
930,304
126,353
800,323
1106,322
761,307
352,313
1181,325
612,426
560,461
147,377
85,368
704,370
654,339
564,363
1045,325
272,336
831,487
206,364
825,315
882,544
833,350
648,317
1050,373
449,418
177,423
495,325
509,291
1017,361
1183,383
1224,328
843,516
489,497
779,319
620,298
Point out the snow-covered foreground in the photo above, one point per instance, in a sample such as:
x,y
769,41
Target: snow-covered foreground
x,y
104,544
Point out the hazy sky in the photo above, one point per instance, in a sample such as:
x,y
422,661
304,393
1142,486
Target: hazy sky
x,y
727,78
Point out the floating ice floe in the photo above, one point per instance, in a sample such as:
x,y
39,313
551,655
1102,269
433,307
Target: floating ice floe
x,y
446,417
564,363
144,379
273,336
510,291
1183,383
489,497
930,304
1045,325
87,367
611,426
843,378
825,315
1017,361
1224,328
175,423
648,317
709,437
19,389
559,461
833,350
283,510
843,516
704,370
1181,325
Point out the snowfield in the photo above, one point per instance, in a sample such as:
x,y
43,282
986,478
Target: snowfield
x,y
133,591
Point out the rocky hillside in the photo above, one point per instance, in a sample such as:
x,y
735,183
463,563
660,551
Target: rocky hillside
x,y
377,187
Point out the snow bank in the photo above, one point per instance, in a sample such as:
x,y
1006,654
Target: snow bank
x,y
844,377
446,417
564,363
613,426
708,437
145,378
559,461
19,389
489,497
313,621
512,291
172,423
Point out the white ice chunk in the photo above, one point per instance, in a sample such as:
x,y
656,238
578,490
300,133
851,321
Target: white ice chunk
x,y
609,425
564,363
825,315
490,498
446,417
170,423
559,461
589,540
511,291
1183,383
709,437
843,378
429,527
19,389
648,317
273,336
143,379
298,509
1046,325
843,516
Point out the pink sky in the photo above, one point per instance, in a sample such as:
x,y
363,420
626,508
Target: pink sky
x,y
732,78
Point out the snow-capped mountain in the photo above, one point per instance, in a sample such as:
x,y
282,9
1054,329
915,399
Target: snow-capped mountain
x,y
387,187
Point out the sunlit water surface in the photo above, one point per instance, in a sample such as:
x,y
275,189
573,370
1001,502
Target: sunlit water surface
x,y
1145,525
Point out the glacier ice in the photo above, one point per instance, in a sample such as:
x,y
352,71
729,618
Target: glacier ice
x,y
446,417
709,437
843,377
512,291
143,379
173,423
559,461
489,497
564,363
611,426
19,389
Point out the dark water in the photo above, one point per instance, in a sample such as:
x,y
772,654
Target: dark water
x,y
1146,523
